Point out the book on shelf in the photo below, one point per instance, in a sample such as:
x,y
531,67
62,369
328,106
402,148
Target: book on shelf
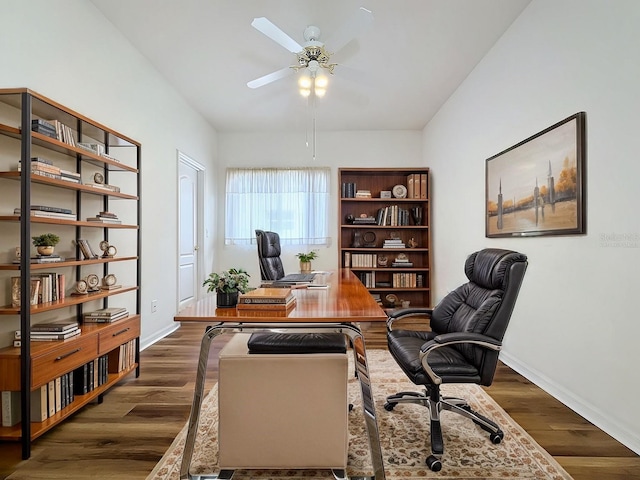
x,y
43,259
105,315
99,219
51,337
103,186
96,148
115,318
85,249
267,296
59,326
15,291
47,214
11,410
106,312
39,404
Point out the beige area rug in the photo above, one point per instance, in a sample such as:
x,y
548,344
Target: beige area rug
x,y
404,436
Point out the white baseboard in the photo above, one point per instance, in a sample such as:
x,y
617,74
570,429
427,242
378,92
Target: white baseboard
x,y
620,432
158,335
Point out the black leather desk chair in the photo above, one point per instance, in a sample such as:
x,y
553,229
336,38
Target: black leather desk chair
x,y
467,328
271,267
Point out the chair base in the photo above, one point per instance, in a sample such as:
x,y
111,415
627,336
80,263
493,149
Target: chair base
x,y
432,400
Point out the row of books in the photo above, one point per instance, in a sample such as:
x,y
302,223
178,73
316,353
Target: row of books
x,y
368,260
123,358
417,185
404,280
368,279
105,315
392,215
45,287
52,397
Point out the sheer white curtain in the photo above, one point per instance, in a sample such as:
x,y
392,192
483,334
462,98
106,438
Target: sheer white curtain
x,y
294,202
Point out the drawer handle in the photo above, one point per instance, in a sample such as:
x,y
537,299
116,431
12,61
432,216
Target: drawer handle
x,y
121,332
62,357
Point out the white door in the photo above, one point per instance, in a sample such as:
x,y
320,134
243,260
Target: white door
x,y
189,198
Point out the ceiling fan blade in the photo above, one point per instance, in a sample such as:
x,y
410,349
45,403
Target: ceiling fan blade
x,y
271,77
274,33
359,23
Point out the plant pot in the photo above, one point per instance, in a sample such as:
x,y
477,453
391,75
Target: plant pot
x,y
305,267
45,250
227,300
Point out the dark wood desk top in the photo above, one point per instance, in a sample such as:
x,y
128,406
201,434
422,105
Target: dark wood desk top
x,y
345,300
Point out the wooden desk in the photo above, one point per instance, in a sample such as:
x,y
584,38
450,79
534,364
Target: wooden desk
x,y
331,310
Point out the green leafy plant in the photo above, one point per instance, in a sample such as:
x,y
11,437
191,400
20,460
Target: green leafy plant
x,y
307,257
46,240
229,281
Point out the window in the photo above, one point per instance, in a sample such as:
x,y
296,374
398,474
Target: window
x,y
294,202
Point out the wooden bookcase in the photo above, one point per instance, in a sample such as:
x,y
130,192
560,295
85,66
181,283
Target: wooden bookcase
x,y
107,179
386,241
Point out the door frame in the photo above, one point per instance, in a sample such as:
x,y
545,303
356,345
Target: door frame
x,y
184,159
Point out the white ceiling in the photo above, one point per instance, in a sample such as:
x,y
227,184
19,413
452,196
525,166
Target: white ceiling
x,y
393,77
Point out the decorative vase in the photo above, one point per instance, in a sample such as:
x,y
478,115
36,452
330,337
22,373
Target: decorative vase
x,y
45,250
227,300
305,267
416,214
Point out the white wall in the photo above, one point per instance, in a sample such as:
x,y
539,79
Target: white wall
x,y
575,329
333,149
67,51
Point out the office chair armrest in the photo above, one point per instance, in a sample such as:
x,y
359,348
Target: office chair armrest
x,y
400,313
447,339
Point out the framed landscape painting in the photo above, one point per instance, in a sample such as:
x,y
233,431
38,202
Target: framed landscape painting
x,y
537,187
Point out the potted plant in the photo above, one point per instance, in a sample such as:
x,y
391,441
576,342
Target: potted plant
x,y
227,286
305,260
44,243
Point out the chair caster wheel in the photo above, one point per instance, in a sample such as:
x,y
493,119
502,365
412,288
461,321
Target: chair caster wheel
x,y
496,438
434,464
389,406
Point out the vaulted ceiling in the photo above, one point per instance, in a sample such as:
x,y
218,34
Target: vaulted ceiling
x,y
395,76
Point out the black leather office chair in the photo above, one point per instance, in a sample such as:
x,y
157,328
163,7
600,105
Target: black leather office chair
x,y
271,267
467,328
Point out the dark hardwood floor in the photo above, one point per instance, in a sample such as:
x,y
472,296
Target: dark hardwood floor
x,y
126,435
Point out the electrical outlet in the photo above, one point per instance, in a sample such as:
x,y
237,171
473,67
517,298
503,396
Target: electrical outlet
x,y
154,306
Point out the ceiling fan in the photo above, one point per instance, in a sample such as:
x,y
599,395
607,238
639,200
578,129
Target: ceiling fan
x,y
312,55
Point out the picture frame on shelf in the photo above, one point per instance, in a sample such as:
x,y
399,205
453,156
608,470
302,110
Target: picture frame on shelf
x,y
537,187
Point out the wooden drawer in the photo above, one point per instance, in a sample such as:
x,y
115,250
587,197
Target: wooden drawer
x,y
63,358
120,332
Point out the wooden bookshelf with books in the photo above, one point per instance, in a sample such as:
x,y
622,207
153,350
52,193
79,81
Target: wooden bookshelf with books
x,y
77,167
384,233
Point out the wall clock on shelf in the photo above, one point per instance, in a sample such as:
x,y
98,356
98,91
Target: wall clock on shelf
x,y
92,282
81,288
399,191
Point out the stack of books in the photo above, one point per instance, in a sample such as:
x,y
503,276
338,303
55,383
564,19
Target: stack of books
x,y
105,217
366,220
363,194
393,243
39,125
279,299
106,315
49,212
51,331
46,168
402,261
